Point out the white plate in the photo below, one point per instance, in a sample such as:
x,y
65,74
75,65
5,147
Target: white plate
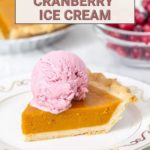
x,y
132,132
32,43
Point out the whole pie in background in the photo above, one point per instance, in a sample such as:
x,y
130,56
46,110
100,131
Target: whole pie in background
x,y
10,30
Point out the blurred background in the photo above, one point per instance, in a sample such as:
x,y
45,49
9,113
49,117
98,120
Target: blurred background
x,y
121,49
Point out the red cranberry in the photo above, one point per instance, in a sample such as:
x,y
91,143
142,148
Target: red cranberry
x,y
137,10
125,37
148,8
136,53
126,26
113,25
140,17
146,28
134,38
147,54
146,39
145,3
148,21
114,34
138,28
121,51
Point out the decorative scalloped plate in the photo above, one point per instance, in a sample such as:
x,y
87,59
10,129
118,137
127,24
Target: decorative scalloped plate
x,y
132,132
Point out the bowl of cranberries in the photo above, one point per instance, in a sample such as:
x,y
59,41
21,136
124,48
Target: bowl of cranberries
x,y
131,42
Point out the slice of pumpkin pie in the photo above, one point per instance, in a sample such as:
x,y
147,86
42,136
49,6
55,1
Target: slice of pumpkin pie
x,y
68,100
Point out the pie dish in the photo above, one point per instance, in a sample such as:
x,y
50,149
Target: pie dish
x,y
18,38
10,30
106,100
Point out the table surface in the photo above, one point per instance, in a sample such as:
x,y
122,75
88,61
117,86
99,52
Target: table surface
x,y
83,41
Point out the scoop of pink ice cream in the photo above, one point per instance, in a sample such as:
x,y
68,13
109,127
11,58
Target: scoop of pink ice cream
x,y
57,79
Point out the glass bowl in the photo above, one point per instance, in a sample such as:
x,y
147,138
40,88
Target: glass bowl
x,y
133,48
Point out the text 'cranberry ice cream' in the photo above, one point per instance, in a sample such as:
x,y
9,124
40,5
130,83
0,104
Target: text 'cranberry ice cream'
x,y
57,79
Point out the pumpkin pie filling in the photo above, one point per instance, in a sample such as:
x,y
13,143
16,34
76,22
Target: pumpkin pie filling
x,y
96,109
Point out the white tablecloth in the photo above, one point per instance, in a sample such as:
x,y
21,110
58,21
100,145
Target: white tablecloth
x,y
85,43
